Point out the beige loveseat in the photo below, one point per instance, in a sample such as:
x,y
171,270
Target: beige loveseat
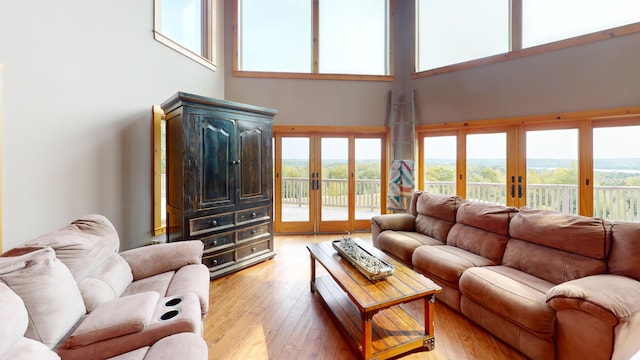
x,y
552,285
70,294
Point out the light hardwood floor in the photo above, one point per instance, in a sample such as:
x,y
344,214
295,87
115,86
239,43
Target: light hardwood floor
x,y
268,312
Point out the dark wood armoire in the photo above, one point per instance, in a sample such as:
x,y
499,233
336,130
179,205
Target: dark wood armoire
x,y
220,179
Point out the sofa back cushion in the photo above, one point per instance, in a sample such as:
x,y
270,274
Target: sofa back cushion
x,y
48,290
625,249
552,265
89,248
577,234
436,214
482,229
557,247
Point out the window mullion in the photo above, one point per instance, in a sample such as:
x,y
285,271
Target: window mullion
x,y
516,25
316,37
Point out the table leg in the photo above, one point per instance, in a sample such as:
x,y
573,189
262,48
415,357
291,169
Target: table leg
x,y
429,328
313,273
367,335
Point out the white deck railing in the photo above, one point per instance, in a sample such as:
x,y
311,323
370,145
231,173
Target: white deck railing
x,y
610,202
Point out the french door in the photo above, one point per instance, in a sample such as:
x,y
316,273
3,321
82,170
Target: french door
x,y
534,165
326,182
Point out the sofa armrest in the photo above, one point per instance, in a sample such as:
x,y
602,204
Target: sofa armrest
x,y
610,298
398,222
156,259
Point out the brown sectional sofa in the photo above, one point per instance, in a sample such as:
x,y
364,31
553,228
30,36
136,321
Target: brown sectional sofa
x,y
70,294
551,285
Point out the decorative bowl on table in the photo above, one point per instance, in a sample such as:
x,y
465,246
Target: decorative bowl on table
x,y
369,265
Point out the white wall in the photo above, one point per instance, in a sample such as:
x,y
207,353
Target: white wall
x,y
80,77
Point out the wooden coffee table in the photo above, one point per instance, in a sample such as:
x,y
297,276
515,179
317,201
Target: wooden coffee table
x,y
353,300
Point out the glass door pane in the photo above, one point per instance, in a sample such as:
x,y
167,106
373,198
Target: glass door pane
x,y
334,180
552,170
368,178
616,171
295,179
440,164
486,167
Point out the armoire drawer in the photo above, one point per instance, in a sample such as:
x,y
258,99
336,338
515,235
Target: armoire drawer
x,y
211,223
217,241
253,232
252,215
219,260
253,249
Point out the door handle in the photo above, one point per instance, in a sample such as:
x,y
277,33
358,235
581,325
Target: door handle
x,y
513,186
519,187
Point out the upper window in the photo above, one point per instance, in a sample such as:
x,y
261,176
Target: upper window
x,y
322,38
186,26
455,31
572,18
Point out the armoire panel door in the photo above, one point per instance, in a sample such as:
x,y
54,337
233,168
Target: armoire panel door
x,y
255,164
216,158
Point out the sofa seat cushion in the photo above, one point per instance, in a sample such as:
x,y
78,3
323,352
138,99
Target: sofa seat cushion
x,y
401,244
512,294
446,262
115,318
158,283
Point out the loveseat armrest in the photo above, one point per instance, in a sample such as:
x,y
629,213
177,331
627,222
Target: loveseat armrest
x,y
610,298
156,259
397,222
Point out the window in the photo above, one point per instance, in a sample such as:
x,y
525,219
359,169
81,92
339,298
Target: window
x,y
572,18
580,163
455,31
456,34
323,39
187,27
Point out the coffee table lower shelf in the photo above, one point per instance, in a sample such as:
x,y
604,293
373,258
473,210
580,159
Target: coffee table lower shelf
x,y
394,331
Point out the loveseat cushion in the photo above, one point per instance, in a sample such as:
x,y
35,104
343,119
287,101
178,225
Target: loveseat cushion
x,y
122,316
89,248
625,249
513,294
83,245
48,290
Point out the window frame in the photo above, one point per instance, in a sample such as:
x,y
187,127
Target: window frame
x,y
516,43
159,221
315,50
584,121
208,34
